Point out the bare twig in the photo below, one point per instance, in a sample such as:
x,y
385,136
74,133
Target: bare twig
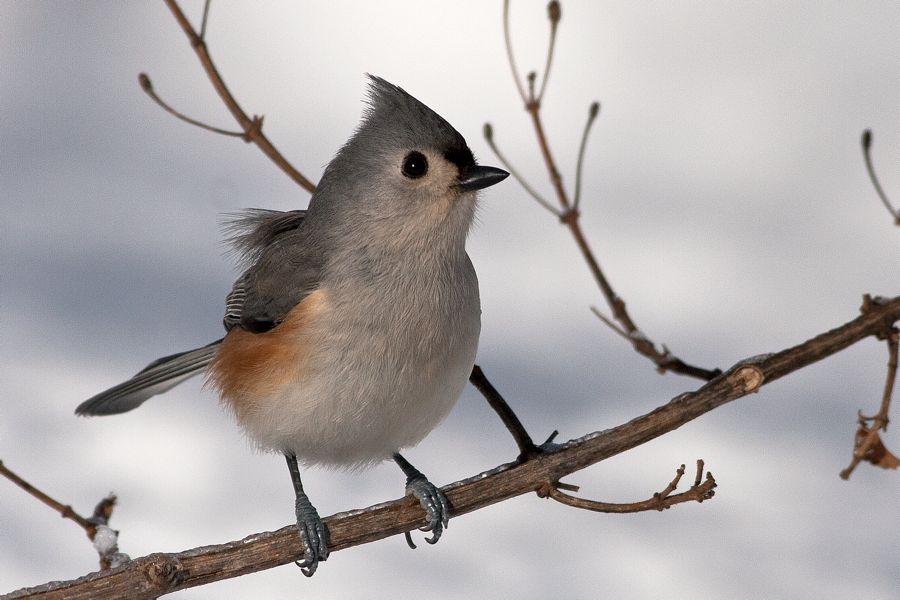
x,y
158,574
554,13
867,444
65,511
509,418
569,216
252,127
203,21
104,538
592,116
610,323
867,156
659,501
509,52
489,137
147,86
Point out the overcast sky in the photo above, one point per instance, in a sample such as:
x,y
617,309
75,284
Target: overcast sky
x,y
724,193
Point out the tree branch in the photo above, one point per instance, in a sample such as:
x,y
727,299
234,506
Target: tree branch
x,y
64,510
569,214
96,527
157,574
252,127
700,491
867,444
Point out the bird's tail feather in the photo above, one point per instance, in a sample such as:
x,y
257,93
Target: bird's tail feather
x,y
159,376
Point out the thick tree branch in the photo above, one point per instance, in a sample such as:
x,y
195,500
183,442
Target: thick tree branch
x,y
158,574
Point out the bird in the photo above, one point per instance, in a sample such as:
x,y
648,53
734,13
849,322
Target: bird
x,y
353,326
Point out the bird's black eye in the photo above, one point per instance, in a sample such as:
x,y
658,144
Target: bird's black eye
x,y
415,165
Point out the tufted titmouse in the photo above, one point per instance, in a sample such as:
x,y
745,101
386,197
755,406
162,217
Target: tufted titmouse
x,y
353,328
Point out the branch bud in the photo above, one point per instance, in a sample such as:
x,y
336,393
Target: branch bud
x,y
144,80
554,12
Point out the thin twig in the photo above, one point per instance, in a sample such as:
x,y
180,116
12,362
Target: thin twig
x,y
592,116
66,511
534,110
867,156
526,445
610,323
868,445
489,137
147,86
252,127
96,527
554,13
659,501
203,21
509,52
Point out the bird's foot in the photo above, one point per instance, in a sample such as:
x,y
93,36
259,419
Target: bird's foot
x,y
435,504
313,536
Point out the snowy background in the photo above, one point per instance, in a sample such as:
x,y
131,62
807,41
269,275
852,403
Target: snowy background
x,y
724,193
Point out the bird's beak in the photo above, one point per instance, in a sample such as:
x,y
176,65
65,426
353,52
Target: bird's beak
x,y
477,178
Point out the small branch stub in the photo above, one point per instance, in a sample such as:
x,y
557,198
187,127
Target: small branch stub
x,y
751,378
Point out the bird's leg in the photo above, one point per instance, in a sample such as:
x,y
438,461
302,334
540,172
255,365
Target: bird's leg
x,y
430,497
313,535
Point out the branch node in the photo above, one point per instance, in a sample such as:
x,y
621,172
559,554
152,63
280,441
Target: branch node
x,y
544,490
570,216
165,573
533,101
254,129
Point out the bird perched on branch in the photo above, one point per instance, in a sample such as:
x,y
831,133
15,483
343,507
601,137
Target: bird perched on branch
x,y
353,328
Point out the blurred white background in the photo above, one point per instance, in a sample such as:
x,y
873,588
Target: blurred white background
x,y
724,194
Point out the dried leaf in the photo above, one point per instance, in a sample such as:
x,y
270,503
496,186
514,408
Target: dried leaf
x,y
880,456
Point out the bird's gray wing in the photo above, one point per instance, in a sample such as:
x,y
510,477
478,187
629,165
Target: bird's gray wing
x,y
159,376
282,268
278,275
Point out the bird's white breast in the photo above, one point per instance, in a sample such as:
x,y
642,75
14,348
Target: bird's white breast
x,y
385,363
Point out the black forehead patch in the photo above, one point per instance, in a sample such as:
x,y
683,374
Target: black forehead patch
x,y
461,157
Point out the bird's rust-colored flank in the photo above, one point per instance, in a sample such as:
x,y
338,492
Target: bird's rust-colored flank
x,y
250,366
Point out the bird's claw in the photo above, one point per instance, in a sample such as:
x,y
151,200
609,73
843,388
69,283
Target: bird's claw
x,y
313,537
437,509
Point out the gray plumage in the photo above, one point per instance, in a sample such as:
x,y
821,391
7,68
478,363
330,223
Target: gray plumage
x,y
371,233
